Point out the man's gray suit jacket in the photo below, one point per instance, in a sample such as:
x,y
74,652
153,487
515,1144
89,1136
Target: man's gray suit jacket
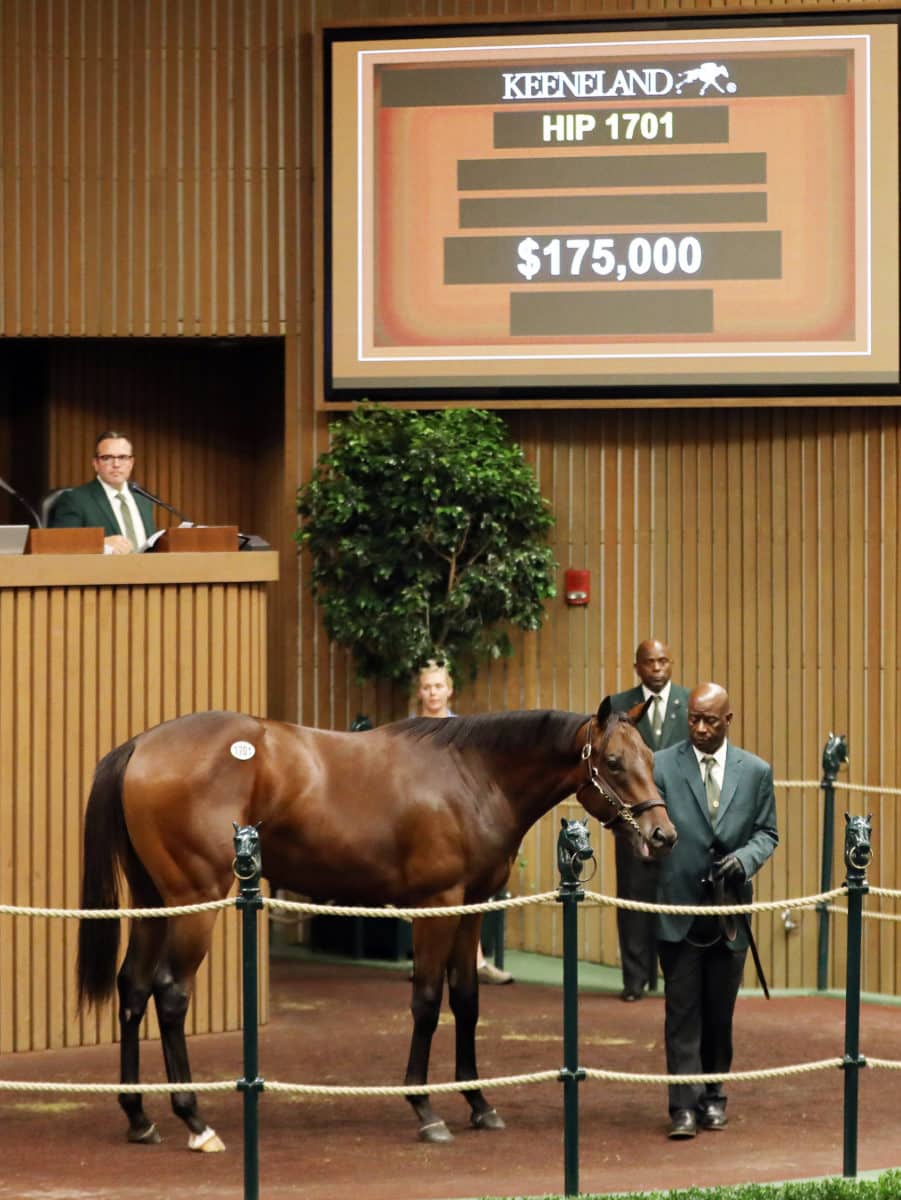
x,y
745,826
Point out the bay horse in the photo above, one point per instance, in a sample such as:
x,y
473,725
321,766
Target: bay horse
x,y
421,813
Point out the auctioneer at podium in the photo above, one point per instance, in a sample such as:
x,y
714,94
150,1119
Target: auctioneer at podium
x,y
107,501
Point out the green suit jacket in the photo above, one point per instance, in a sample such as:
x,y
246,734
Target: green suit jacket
x,y
87,506
675,719
745,826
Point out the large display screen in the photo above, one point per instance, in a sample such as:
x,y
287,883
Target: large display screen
x,y
593,214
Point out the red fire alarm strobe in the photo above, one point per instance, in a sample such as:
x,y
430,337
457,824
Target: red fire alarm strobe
x,y
577,586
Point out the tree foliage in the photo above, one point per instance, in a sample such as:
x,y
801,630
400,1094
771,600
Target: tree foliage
x,y
428,536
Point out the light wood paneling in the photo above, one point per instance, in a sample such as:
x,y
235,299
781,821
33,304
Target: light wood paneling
x,y
145,188
86,665
772,570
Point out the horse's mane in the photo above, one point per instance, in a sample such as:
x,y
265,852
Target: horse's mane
x,y
507,731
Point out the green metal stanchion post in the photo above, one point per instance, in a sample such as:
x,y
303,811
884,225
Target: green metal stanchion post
x,y
858,853
359,724
247,867
835,752
573,850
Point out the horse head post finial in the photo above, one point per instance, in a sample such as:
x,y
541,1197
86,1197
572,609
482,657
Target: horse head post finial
x,y
835,755
858,848
247,863
573,849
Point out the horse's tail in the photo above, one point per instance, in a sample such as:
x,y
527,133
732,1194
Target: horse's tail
x,y
107,853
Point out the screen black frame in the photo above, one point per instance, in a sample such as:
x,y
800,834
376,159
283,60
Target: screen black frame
x,y
334,397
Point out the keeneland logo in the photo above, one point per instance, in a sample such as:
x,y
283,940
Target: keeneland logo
x,y
707,75
600,83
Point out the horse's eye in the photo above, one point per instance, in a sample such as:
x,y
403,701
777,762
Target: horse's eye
x,y
613,762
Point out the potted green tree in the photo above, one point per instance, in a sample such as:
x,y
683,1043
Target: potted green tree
x,y
428,537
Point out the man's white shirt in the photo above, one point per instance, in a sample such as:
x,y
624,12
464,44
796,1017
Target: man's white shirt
x,y
719,765
663,694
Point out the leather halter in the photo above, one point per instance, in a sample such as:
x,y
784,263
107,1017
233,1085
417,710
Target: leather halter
x,y
621,810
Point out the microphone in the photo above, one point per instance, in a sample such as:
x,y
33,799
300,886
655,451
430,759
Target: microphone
x,y
136,487
246,541
38,523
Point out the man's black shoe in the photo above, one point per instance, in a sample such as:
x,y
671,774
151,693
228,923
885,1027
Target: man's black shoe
x,y
630,995
683,1124
713,1116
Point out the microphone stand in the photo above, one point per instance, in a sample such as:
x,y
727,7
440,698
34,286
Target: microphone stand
x,y
136,487
38,523
245,539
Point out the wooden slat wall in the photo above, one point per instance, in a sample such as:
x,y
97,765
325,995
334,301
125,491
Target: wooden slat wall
x,y
150,187
157,180
84,669
143,190
188,409
763,546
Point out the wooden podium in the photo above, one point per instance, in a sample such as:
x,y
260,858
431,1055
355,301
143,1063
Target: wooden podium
x,y
94,649
206,539
65,541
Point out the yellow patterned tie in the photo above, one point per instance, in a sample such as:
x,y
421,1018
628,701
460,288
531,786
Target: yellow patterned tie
x,y
127,522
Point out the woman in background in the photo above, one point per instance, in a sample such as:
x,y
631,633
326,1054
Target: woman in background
x,y
434,690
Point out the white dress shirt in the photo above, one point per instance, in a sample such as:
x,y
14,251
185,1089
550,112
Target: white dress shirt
x,y
719,765
663,694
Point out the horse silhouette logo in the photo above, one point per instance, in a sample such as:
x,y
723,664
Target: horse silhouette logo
x,y
707,75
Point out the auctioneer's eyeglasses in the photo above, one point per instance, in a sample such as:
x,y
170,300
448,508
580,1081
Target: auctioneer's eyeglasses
x,y
114,458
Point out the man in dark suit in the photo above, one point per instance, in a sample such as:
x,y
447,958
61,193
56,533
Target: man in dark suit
x,y
663,725
108,501
720,798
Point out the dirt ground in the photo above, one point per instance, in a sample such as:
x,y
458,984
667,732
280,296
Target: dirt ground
x,y
334,1023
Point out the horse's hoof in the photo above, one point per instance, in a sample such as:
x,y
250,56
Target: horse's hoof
x,y
436,1133
207,1142
489,1119
145,1137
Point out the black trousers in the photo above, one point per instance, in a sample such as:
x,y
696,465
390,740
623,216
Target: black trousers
x,y
701,985
636,879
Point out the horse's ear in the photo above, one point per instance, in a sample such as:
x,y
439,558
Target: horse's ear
x,y
563,822
606,708
637,711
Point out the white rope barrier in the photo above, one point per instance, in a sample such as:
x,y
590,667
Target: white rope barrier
x,y
106,1089
435,1089
732,1076
704,910
876,789
456,910
503,1081
106,914
419,1089
278,907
